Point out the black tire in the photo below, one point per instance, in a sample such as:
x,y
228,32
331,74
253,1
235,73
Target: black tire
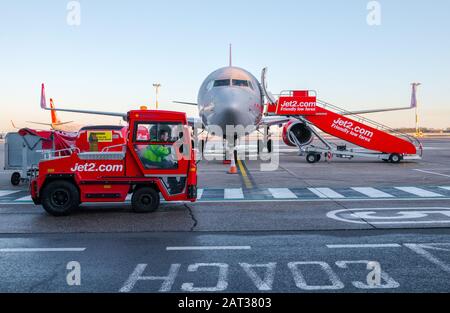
x,y
145,200
318,157
269,145
395,158
311,158
60,198
15,179
261,146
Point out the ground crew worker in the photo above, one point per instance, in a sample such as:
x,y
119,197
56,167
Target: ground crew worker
x,y
156,155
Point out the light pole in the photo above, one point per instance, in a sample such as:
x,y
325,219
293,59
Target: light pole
x,y
415,103
157,86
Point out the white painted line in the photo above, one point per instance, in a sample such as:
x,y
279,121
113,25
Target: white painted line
x,y
402,216
236,193
433,173
420,249
4,193
372,192
27,198
445,187
326,193
381,245
282,193
419,192
14,250
199,193
208,248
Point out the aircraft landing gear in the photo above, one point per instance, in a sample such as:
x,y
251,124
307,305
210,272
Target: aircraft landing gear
x,y
266,144
265,147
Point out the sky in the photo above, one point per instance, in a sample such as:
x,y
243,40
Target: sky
x,y
120,48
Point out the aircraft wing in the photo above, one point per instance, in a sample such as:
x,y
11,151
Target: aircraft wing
x,y
62,123
375,111
195,121
37,123
188,103
413,104
44,106
273,120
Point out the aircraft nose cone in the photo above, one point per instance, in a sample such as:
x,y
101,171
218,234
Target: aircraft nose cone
x,y
231,108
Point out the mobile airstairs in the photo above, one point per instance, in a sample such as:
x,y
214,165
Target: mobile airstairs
x,y
373,139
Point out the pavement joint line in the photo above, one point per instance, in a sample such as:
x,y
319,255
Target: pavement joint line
x,y
200,248
351,246
14,250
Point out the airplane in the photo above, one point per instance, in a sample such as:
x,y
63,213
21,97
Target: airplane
x,y
232,96
56,124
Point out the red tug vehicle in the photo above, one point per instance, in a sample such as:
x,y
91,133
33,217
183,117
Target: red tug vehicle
x,y
156,157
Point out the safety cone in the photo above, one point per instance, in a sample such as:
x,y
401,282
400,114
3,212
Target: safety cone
x,y
233,167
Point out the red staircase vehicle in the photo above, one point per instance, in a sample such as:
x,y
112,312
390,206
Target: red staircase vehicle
x,y
384,142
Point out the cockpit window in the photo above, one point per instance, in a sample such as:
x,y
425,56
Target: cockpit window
x,y
222,82
240,83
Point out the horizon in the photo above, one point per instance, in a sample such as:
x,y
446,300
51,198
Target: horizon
x,y
110,60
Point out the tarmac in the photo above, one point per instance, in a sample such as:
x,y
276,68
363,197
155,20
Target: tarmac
x,y
364,209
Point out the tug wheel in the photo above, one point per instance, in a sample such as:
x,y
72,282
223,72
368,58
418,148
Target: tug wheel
x,y
311,158
145,200
395,158
60,198
15,179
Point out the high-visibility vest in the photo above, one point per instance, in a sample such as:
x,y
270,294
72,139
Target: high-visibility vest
x,y
156,153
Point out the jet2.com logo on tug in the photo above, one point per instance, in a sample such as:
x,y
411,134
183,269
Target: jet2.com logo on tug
x,y
94,167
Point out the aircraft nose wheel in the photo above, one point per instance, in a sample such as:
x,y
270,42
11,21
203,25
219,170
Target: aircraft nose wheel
x,y
261,146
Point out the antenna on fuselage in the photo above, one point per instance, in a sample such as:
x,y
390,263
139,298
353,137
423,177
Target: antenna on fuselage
x,y
231,55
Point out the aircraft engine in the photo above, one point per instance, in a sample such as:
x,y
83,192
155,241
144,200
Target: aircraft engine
x,y
298,129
